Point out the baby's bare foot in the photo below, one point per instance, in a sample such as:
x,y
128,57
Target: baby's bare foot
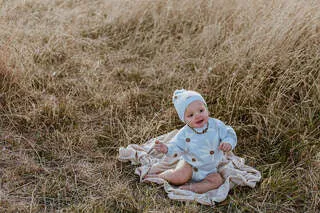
x,y
152,176
186,187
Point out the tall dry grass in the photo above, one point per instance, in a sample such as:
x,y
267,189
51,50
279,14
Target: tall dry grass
x,y
78,79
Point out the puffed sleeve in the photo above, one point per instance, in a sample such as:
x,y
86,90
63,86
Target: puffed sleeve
x,y
226,133
176,144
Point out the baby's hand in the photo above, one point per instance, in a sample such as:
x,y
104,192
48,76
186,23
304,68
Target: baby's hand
x,y
226,147
160,147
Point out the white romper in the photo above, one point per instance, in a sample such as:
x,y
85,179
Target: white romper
x,y
202,151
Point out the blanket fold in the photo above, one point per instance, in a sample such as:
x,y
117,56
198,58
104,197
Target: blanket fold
x,y
232,168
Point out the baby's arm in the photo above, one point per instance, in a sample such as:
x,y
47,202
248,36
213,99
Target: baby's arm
x,y
228,137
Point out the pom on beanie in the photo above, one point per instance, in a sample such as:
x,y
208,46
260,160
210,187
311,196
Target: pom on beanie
x,y
182,98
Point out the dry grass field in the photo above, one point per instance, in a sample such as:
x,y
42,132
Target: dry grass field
x,y
80,78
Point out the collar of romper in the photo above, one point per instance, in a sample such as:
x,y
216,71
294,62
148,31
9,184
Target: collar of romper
x,y
202,132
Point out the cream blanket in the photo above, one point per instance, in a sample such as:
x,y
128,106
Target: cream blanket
x,y
232,168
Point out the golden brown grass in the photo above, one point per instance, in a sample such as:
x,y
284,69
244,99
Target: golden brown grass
x,y
78,79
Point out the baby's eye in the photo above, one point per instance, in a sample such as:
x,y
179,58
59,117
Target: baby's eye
x,y
201,110
190,115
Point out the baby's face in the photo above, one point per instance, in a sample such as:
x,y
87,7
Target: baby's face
x,y
196,114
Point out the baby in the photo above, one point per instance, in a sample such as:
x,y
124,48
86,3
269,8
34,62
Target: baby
x,y
201,143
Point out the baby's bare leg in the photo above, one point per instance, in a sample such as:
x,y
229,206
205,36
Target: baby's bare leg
x,y
180,175
212,181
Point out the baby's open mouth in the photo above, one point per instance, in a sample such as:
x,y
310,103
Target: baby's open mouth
x,y
199,122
